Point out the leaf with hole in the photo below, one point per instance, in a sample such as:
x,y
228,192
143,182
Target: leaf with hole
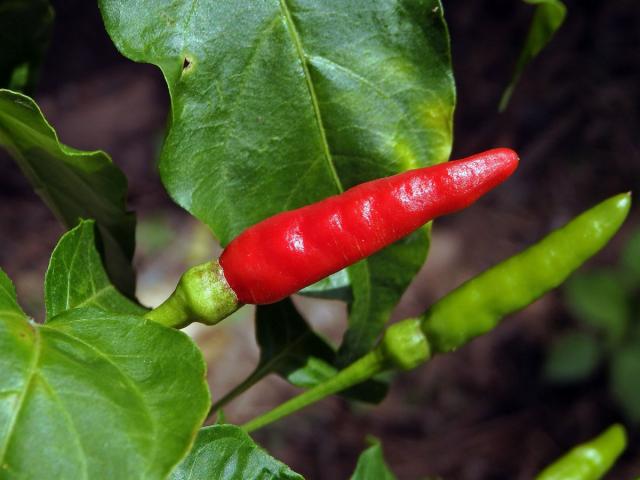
x,y
284,102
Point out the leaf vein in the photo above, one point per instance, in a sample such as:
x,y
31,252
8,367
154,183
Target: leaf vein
x,y
35,359
295,37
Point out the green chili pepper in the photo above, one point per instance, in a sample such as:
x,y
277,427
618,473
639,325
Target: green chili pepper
x,y
476,307
590,460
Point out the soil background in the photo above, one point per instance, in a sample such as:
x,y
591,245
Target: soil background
x,y
485,412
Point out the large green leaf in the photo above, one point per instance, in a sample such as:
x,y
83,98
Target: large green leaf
x,y
101,395
280,103
547,19
25,28
76,278
74,184
225,452
371,465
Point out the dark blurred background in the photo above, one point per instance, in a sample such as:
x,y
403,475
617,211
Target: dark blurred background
x,y
498,408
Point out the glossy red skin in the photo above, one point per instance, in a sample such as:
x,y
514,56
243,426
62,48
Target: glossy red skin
x,y
289,251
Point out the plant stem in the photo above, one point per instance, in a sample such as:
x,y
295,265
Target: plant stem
x,y
363,369
172,312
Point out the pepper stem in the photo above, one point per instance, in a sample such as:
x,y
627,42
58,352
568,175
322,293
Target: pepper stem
x,y
403,347
359,371
202,295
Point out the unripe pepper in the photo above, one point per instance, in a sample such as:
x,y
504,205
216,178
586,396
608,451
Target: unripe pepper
x,y
589,460
475,307
291,250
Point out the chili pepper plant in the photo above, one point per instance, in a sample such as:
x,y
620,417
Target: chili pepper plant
x,y
312,138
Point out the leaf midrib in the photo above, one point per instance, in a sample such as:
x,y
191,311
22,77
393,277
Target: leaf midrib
x,y
297,42
295,37
33,372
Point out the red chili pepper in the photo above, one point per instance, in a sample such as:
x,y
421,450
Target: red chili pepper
x,y
289,251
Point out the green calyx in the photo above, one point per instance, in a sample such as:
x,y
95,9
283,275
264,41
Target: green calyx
x,y
404,345
202,295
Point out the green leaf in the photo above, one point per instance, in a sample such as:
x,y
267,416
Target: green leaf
x,y
573,357
625,372
547,19
101,395
25,29
9,307
76,278
313,372
74,184
371,464
631,259
599,299
316,371
281,103
225,452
